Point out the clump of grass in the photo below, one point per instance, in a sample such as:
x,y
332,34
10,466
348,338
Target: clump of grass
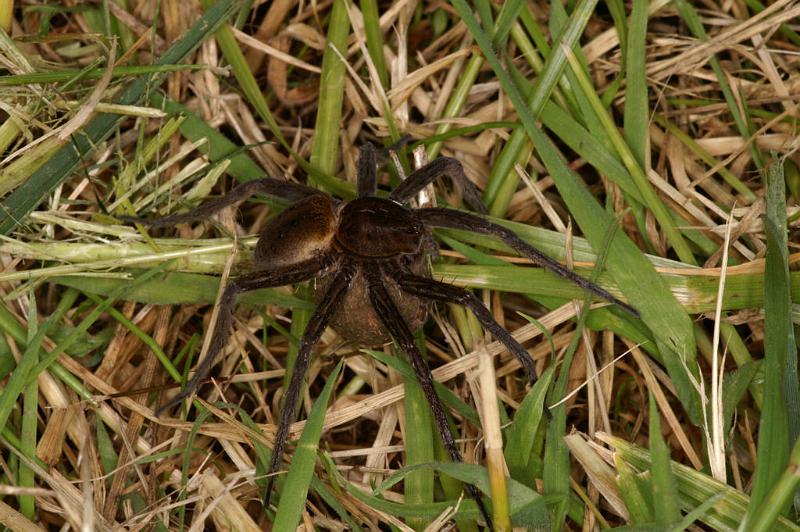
x,y
650,147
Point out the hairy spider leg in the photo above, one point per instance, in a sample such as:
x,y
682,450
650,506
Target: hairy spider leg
x,y
367,171
325,310
269,186
443,166
453,219
392,319
295,273
429,289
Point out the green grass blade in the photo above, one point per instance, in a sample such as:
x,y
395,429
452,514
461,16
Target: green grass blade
x,y
27,196
457,100
506,19
689,15
627,265
218,147
298,480
503,180
637,113
180,289
89,320
764,517
695,488
418,441
773,435
450,399
329,114
632,494
521,434
30,358
637,172
30,419
369,8
665,492
42,78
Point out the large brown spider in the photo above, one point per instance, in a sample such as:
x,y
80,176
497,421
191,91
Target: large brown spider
x,y
371,258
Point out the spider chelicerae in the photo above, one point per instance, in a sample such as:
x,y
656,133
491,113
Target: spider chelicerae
x,y
370,256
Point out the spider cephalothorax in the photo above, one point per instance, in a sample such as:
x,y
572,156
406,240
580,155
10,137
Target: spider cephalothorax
x,y
370,258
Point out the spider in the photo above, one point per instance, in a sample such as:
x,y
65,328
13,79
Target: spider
x,y
370,256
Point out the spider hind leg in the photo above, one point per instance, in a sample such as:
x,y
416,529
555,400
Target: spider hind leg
x,y
326,308
429,289
392,319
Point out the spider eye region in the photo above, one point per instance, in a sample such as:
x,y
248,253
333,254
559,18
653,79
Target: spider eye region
x,y
303,231
378,228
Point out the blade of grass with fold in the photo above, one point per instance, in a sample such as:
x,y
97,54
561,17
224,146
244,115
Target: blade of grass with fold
x,y
635,276
60,166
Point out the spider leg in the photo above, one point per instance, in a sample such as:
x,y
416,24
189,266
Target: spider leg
x,y
319,320
222,329
448,166
269,186
392,319
367,171
454,219
429,289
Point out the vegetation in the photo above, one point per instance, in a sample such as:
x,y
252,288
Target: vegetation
x,y
651,146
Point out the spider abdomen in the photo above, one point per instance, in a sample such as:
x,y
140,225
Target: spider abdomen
x,y
356,319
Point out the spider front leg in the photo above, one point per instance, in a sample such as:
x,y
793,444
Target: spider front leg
x,y
222,329
453,219
429,289
326,308
269,186
392,319
447,166
367,171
